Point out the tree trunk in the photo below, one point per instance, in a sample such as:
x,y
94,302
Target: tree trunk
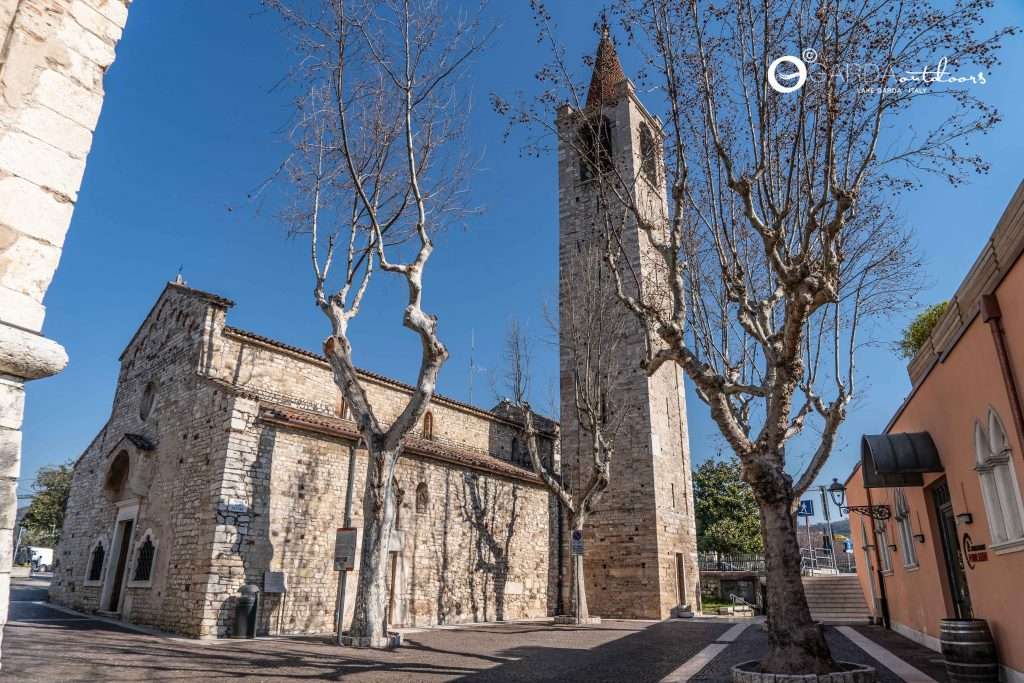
x,y
369,620
579,588
797,643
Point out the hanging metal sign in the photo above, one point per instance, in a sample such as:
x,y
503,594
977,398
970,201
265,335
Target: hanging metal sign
x,y
974,553
345,549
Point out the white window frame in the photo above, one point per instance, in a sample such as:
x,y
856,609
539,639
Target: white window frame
x,y
1000,490
910,560
884,553
134,558
86,581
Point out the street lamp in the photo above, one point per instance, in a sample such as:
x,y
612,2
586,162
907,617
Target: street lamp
x,y
837,492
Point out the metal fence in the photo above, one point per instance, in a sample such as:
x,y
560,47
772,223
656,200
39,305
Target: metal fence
x,y
732,562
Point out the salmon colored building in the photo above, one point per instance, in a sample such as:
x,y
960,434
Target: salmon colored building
x,y
949,467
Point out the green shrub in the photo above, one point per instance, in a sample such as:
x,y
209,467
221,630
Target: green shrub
x,y
916,333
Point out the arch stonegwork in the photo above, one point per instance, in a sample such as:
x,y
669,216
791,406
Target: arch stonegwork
x,y
130,468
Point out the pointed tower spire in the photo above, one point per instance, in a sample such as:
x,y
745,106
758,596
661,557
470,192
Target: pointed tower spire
x,y
608,71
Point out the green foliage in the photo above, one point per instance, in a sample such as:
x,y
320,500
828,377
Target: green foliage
x,y
727,514
45,516
916,333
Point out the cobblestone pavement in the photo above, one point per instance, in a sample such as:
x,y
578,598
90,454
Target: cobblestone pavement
x,y
42,643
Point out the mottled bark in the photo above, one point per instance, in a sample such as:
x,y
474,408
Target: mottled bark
x,y
797,642
369,620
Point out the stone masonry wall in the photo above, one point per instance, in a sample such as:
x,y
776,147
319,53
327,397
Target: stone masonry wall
x,y
482,550
187,423
478,551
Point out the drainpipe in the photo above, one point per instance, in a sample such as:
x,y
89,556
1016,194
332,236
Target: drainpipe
x,y
993,317
559,608
883,601
339,609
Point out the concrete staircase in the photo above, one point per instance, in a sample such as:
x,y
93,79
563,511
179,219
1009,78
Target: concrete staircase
x,y
836,599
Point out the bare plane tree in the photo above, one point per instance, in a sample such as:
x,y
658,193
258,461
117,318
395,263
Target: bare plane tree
x,y
594,327
779,241
378,168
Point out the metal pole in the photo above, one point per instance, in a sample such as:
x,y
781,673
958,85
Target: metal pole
x,y
339,609
828,526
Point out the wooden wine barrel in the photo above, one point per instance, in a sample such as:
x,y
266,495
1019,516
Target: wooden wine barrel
x,y
969,651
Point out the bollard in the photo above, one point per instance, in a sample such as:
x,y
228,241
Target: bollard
x,y
245,612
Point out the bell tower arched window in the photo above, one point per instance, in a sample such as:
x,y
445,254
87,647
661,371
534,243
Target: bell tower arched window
x,y
999,488
595,147
648,155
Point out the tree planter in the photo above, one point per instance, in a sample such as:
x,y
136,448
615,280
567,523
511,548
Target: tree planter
x,y
748,672
390,642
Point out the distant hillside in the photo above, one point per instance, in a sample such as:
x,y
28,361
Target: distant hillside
x,y
841,526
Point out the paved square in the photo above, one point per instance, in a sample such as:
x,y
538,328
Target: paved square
x,y
46,644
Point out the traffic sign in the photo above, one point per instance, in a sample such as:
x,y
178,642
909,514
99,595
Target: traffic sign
x,y
806,508
577,542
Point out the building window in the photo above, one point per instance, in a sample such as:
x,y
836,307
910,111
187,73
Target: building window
x,y
906,532
884,552
341,408
146,403
428,426
648,155
673,496
97,556
595,147
422,498
999,487
96,562
144,560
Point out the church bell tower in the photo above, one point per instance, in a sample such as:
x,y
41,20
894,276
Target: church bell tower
x,y
640,543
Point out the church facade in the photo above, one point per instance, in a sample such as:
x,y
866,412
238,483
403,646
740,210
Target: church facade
x,y
228,458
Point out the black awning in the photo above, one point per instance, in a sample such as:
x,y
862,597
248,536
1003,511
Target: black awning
x,y
889,460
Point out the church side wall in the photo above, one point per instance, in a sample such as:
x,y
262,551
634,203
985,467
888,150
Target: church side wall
x,y
476,548
187,424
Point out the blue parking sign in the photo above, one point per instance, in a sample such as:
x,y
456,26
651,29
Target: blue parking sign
x,y
806,508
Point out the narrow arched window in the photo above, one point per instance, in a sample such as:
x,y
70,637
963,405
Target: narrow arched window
x,y
422,498
648,155
144,559
999,488
428,426
99,554
147,401
341,407
906,532
595,147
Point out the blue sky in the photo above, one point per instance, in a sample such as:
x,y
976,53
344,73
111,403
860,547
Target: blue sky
x,y
192,123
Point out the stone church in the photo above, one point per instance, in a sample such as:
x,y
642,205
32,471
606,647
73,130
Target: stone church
x,y
227,458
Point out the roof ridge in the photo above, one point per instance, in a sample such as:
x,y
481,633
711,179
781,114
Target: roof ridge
x,y
370,374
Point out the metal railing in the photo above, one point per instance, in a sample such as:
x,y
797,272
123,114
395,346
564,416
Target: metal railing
x,y
733,562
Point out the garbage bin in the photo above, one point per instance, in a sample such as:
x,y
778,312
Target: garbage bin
x,y
245,611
